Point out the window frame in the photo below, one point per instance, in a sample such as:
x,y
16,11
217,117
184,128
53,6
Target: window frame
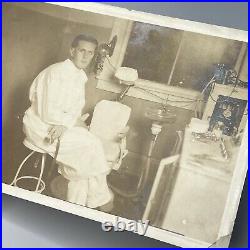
x,y
144,89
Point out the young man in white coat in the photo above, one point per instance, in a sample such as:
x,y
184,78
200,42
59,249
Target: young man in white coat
x,y
57,97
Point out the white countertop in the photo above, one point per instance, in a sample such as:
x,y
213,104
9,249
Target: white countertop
x,y
205,157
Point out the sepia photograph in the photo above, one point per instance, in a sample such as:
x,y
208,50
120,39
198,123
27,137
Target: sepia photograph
x,y
142,121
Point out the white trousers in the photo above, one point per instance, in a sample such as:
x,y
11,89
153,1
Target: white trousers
x,y
81,161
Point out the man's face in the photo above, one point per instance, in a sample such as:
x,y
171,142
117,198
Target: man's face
x,y
83,54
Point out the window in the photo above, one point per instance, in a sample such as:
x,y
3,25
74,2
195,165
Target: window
x,y
172,64
152,50
178,58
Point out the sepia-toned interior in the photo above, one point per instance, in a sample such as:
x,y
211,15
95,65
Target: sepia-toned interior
x,y
175,174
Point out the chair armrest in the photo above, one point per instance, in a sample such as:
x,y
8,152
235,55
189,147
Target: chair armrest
x,y
123,133
122,154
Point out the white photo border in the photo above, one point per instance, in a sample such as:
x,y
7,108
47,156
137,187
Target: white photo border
x,y
241,167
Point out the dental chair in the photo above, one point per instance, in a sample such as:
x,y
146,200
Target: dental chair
x,y
109,124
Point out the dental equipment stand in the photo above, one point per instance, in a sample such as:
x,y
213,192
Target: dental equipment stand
x,y
158,118
124,92
156,129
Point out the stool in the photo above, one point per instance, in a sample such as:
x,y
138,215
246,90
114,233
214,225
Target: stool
x,y
40,187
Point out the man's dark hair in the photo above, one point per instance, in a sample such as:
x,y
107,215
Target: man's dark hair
x,y
83,37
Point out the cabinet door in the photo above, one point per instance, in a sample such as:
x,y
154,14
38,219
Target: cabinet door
x,y
196,206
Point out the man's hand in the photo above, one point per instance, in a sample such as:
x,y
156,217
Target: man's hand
x,y
55,132
81,121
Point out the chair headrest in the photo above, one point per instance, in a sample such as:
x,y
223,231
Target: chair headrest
x,y
109,118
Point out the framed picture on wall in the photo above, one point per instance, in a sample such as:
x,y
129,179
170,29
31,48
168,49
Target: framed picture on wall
x,y
101,119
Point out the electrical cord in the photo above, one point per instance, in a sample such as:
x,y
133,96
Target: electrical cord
x,y
188,102
164,99
112,66
228,97
159,97
233,78
207,85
